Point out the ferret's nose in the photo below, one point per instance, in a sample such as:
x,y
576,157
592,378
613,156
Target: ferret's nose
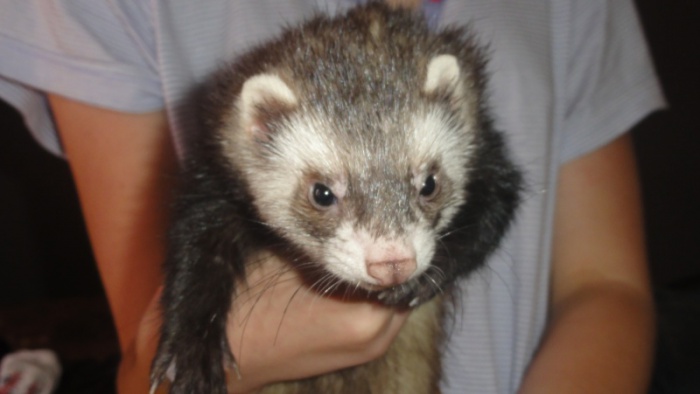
x,y
391,272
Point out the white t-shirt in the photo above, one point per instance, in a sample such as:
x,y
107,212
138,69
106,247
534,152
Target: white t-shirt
x,y
567,76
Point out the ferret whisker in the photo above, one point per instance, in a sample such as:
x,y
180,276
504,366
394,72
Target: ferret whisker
x,y
246,318
349,292
326,285
323,284
434,269
267,285
357,286
265,280
455,230
434,283
332,287
284,312
324,290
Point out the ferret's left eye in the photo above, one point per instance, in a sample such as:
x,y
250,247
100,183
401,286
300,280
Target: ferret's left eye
x,y
322,196
429,187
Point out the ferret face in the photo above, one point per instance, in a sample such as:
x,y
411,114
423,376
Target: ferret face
x,y
366,193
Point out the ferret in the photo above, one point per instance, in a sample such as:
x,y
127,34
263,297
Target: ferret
x,y
358,144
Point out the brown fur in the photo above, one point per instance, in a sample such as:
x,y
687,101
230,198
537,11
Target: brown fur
x,y
411,365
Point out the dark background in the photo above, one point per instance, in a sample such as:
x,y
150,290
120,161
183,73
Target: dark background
x,y
50,293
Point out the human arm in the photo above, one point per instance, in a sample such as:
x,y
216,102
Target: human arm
x,y
124,168
601,327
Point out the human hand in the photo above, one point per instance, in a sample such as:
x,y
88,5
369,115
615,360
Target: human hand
x,y
278,330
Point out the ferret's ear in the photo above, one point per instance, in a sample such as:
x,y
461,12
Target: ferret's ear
x,y
443,77
264,97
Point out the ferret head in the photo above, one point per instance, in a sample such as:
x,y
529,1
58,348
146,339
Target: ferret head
x,y
363,142
362,183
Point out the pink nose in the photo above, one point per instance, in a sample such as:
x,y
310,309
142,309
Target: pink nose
x,y
392,272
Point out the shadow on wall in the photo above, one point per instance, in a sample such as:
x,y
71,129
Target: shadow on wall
x,y
44,250
668,143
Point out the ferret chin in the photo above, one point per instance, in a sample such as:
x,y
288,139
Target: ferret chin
x,y
360,150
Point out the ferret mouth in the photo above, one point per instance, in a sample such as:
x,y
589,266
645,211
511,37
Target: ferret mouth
x,y
375,288
366,283
361,289
371,287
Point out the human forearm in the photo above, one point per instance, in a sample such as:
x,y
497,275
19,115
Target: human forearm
x,y
600,341
123,166
600,332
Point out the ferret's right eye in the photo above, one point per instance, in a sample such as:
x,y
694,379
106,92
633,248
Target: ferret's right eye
x,y
429,187
322,196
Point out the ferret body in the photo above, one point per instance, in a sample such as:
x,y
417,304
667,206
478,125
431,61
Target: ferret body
x,y
358,145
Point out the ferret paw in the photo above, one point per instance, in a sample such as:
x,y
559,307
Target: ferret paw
x,y
197,367
163,369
